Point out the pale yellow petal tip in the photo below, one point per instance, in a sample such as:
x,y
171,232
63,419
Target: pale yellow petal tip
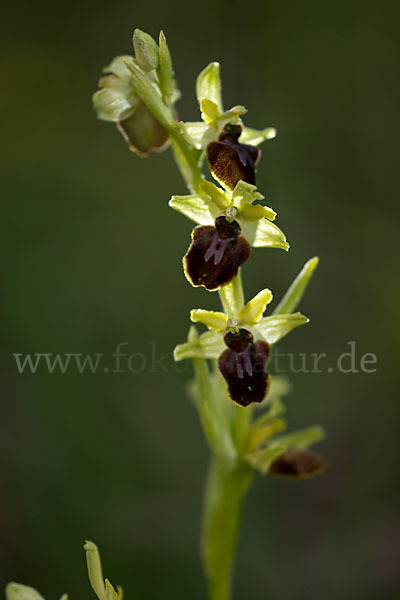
x,y
272,133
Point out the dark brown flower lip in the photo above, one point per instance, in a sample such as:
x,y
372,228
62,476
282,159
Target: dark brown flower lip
x,y
215,254
230,161
242,365
297,464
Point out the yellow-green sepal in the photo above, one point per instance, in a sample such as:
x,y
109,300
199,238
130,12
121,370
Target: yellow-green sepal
x,y
197,133
275,327
200,209
254,137
252,312
208,85
217,321
264,234
208,345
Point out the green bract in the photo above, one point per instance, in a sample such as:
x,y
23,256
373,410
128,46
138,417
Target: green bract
x,y
214,118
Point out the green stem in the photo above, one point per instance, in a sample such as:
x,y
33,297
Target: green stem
x,y
224,494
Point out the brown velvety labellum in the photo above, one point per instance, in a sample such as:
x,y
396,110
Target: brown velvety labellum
x,y
215,254
230,161
297,464
242,366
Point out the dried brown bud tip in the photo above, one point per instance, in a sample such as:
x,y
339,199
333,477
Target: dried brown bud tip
x,y
297,464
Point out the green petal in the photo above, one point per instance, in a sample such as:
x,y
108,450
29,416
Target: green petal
x,y
113,104
213,320
198,133
146,50
207,345
274,328
232,116
254,212
209,111
200,209
263,233
17,591
255,136
208,85
252,312
246,193
295,292
119,68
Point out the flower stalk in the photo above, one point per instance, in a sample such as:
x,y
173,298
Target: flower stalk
x,y
229,359
239,402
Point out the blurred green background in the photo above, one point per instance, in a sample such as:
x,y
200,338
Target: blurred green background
x,y
91,257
